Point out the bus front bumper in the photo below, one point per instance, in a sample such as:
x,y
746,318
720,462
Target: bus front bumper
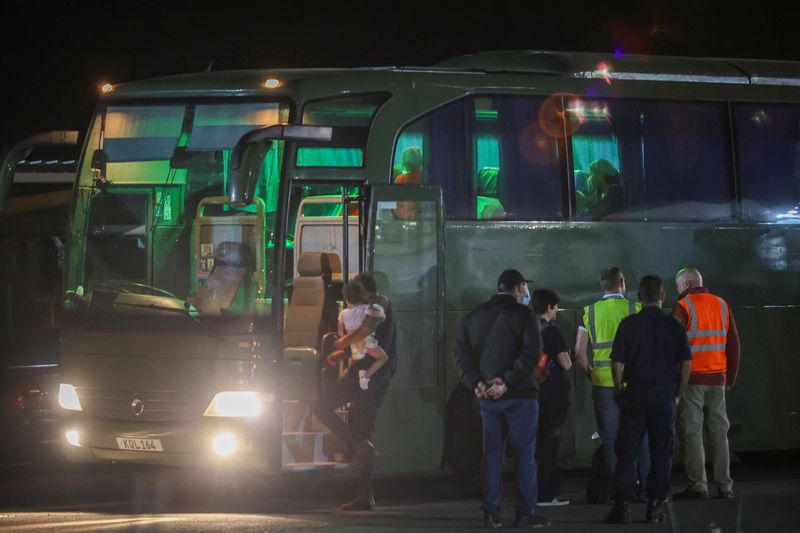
x,y
252,445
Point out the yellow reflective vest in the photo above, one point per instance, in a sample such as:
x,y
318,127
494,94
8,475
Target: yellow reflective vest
x,y
601,320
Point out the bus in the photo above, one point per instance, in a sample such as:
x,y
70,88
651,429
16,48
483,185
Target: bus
x,y
33,222
216,215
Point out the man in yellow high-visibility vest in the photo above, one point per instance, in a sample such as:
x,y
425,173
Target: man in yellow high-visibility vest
x,y
600,322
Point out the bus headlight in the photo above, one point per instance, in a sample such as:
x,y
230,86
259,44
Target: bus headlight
x,y
68,397
245,404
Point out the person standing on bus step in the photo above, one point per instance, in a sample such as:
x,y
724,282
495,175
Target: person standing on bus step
x,y
367,402
714,341
553,398
650,365
496,352
600,322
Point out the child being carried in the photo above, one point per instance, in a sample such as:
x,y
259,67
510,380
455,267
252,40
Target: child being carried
x,y
350,319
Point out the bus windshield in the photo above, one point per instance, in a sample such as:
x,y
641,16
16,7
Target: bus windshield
x,y
152,218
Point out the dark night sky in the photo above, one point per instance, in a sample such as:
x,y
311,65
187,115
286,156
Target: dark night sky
x,y
54,56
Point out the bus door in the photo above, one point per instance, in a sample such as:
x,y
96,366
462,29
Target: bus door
x,y
324,248
405,254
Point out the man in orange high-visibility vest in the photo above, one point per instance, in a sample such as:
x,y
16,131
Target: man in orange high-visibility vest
x,y
714,342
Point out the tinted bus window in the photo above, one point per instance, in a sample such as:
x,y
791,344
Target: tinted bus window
x,y
352,116
492,156
768,142
651,160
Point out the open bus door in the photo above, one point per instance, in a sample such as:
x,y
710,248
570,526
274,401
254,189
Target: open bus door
x,y
405,253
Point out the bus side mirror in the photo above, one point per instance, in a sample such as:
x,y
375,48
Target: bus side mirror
x,y
248,155
19,151
99,163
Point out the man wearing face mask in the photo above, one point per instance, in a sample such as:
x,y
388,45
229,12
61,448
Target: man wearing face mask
x,y
495,353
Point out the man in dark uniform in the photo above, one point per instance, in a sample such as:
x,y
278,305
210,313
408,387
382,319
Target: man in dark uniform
x,y
495,353
651,363
366,402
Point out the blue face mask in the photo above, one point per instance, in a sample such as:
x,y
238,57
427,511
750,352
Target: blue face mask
x,y
526,300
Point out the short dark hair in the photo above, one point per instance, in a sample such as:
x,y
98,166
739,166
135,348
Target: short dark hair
x,y
367,281
611,279
355,293
650,289
543,299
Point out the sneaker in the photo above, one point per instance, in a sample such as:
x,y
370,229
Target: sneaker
x,y
726,494
530,521
555,502
360,504
655,513
689,495
491,520
620,513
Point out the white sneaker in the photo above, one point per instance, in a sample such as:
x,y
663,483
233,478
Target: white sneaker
x,y
555,502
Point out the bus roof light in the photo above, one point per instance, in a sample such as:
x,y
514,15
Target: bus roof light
x,y
106,88
272,83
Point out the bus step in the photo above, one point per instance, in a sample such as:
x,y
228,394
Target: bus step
x,y
313,466
303,447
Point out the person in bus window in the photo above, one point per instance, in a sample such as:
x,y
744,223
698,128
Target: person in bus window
x,y
350,319
553,397
602,195
412,175
412,167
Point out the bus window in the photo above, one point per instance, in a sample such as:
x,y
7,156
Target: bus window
x,y
768,139
651,160
491,157
518,171
352,116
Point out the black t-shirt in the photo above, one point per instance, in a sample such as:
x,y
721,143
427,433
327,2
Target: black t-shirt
x,y
553,344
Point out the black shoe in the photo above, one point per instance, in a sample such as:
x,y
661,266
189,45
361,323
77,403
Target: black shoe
x,y
655,514
620,513
491,520
726,494
530,520
360,504
690,495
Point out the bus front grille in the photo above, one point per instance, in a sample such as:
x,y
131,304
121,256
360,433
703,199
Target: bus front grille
x,y
154,406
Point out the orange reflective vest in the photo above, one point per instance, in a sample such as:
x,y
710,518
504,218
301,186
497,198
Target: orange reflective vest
x,y
707,329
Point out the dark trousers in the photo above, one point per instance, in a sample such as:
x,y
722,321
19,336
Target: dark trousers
x,y
521,418
553,405
648,408
366,403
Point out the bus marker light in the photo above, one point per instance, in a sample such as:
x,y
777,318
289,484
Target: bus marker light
x,y
106,88
73,437
272,83
225,444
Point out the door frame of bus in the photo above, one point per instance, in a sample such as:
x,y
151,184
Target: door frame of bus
x,y
246,160
17,152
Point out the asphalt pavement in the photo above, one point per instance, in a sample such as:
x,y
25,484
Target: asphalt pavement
x,y
124,498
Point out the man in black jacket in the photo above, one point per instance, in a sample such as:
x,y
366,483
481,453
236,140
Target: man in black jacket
x,y
496,351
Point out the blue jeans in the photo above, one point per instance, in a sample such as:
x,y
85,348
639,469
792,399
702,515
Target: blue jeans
x,y
521,418
606,409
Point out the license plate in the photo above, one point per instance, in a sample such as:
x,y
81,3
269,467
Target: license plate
x,y
139,445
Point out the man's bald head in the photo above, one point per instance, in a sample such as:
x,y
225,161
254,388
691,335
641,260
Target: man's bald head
x,y
688,278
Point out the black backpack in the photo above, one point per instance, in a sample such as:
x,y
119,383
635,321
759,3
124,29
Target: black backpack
x,y
598,490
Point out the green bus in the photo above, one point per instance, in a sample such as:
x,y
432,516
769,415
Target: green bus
x,y
216,216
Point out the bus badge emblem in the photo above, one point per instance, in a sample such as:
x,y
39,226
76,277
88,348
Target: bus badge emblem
x,y
137,406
